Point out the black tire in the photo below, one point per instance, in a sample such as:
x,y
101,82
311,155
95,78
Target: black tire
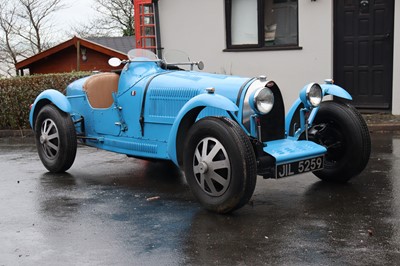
x,y
342,130
229,185
55,139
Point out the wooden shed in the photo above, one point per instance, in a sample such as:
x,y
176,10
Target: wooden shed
x,y
77,54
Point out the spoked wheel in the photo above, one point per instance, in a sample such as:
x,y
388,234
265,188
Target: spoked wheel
x,y
55,139
211,167
342,130
49,139
219,164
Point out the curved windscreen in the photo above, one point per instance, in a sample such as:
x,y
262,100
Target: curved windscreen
x,y
175,56
140,54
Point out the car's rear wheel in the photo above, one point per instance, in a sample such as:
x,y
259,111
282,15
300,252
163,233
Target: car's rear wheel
x,y
55,139
342,130
219,164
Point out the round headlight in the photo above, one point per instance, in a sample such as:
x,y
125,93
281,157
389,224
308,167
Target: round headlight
x,y
314,94
263,101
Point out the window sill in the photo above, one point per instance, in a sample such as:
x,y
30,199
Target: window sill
x,y
278,48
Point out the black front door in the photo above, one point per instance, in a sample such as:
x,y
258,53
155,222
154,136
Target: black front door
x,y
363,51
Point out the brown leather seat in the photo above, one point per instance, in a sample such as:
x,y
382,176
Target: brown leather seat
x,y
99,89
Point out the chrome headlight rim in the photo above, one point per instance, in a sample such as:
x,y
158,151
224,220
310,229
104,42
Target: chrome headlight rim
x,y
262,100
314,95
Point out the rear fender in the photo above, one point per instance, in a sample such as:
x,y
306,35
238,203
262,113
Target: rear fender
x,y
187,117
327,89
49,97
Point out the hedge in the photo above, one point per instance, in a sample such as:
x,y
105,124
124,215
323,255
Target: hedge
x,y
18,93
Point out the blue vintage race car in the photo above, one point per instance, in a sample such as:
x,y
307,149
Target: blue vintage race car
x,y
221,130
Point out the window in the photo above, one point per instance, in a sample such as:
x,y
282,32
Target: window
x,y
261,24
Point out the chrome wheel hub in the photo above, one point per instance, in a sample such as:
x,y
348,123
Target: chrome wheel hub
x,y
203,167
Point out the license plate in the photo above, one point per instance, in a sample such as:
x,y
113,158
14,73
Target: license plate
x,y
299,167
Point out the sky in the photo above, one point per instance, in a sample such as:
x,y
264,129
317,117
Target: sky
x,y
78,11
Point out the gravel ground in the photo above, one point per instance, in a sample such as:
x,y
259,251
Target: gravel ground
x,y
381,118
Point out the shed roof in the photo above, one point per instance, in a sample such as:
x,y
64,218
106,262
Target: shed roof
x,y
121,44
112,46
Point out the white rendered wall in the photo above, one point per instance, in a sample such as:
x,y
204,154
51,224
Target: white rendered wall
x,y
198,28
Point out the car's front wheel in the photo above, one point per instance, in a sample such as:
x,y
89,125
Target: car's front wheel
x,y
219,164
342,130
55,139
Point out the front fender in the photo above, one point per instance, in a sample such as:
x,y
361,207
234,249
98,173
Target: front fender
x,y
327,89
189,113
335,90
49,96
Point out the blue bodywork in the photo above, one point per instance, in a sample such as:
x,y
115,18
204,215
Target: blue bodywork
x,y
154,107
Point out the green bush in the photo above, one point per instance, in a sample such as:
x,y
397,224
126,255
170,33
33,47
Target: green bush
x,y
18,93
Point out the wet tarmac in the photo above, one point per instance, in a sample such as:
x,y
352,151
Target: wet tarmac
x,y
113,210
